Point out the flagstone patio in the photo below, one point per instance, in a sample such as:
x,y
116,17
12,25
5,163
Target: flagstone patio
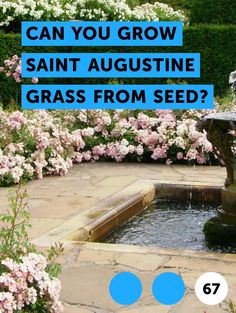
x,y
64,208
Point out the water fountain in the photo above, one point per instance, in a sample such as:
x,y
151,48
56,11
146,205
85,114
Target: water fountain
x,y
176,208
218,127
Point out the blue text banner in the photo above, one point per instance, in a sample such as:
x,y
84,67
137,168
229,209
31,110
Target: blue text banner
x,y
106,65
146,97
76,33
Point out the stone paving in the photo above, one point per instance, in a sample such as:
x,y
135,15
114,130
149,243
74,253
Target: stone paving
x,y
54,201
61,205
85,283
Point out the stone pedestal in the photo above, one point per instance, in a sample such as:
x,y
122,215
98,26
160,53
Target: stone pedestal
x,y
227,211
217,126
222,229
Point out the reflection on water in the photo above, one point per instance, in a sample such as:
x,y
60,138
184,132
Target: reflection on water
x,y
171,224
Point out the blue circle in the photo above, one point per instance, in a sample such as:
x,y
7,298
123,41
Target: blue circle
x,y
125,288
168,288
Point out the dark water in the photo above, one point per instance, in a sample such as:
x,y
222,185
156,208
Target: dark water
x,y
169,224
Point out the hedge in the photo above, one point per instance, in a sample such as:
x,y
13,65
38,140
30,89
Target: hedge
x,y
213,12
216,43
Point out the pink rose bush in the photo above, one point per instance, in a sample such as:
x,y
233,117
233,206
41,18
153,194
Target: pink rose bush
x,y
35,144
28,279
12,68
38,143
24,283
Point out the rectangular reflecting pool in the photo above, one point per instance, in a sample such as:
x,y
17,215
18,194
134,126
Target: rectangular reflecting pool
x,y
170,224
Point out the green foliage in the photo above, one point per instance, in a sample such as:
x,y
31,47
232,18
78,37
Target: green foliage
x,y
39,306
54,268
226,103
9,45
7,181
216,43
217,46
179,4
213,12
15,223
134,3
14,239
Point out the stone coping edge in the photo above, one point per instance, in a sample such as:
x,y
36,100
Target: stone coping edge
x,y
103,225
89,227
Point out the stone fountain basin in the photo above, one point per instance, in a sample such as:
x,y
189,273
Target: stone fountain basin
x,y
106,222
222,116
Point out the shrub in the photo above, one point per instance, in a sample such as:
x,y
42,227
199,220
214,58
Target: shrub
x,y
28,280
12,68
213,12
156,11
38,143
13,12
176,4
8,44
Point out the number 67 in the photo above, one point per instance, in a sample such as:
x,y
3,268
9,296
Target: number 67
x,y
207,288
